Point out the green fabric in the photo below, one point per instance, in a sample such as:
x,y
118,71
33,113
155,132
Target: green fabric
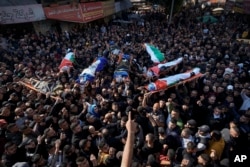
x,y
158,54
72,58
208,19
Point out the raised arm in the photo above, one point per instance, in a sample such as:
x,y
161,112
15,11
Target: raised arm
x,y
128,149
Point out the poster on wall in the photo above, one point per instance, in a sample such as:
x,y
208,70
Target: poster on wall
x,y
21,14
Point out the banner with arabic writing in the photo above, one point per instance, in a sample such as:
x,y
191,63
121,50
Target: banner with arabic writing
x,y
92,11
21,14
71,13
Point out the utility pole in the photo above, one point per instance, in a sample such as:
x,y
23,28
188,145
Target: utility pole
x,y
171,12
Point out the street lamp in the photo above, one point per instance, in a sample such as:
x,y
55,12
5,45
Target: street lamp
x,y
171,12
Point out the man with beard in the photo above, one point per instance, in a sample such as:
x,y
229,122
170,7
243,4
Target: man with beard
x,y
216,119
78,133
235,143
82,162
13,154
65,132
39,161
201,138
69,155
106,156
203,108
19,117
13,134
29,145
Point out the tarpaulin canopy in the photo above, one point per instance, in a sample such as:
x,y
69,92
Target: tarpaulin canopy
x,y
207,19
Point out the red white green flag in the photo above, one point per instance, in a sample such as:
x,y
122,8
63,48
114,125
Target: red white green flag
x,y
67,61
155,54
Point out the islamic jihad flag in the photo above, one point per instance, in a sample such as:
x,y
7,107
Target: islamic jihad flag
x,y
122,69
155,54
88,74
67,61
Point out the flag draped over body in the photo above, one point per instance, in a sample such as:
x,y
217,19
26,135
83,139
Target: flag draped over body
x,y
122,69
155,54
163,83
88,74
67,61
155,70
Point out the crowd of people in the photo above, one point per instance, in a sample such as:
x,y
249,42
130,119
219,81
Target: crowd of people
x,y
200,123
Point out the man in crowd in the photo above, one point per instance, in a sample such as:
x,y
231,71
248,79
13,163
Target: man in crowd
x,y
64,127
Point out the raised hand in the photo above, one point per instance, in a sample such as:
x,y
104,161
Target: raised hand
x,y
131,125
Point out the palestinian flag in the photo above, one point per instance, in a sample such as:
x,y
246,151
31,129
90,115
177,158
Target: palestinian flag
x,y
155,70
155,54
166,82
67,61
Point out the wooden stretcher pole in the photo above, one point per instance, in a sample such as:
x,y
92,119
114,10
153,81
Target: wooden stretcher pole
x,y
33,88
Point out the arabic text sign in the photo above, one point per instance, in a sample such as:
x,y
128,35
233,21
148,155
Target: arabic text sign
x,y
72,13
21,14
92,11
